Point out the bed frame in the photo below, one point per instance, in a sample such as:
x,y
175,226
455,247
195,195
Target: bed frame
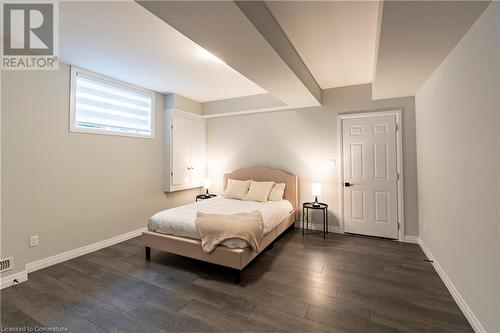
x,y
234,258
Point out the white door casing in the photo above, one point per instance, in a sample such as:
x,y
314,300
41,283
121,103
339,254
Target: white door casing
x,y
370,166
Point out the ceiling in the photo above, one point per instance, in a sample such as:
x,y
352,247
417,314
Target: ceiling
x,y
415,37
335,39
277,54
248,38
125,41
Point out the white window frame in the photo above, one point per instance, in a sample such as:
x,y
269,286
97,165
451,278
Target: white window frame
x,y
72,125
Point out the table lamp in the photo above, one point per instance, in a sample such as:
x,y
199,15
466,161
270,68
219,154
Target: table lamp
x,y
207,183
316,190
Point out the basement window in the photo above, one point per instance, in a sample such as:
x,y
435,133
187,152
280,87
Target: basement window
x,y
101,105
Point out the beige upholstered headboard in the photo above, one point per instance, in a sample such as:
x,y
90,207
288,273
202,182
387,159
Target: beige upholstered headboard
x,y
267,174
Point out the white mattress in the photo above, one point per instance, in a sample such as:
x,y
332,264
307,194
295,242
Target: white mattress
x,y
180,221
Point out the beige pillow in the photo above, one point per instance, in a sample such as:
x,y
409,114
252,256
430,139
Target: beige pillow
x,y
237,189
277,192
259,191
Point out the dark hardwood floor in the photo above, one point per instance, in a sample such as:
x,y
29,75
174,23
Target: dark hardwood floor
x,y
341,284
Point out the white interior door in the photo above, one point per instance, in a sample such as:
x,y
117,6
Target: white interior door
x,y
181,150
370,176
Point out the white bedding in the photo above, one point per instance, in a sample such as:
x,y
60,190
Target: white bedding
x,y
180,221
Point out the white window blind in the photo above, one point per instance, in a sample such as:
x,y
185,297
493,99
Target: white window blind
x,y
102,105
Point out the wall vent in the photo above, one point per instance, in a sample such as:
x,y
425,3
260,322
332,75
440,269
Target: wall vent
x,y
6,264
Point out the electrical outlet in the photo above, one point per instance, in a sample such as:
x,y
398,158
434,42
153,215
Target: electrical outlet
x,y
333,163
34,241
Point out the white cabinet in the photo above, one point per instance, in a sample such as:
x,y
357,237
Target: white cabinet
x,y
185,158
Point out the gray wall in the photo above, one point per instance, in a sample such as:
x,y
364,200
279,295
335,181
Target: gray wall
x,y
458,166
303,140
71,189
174,101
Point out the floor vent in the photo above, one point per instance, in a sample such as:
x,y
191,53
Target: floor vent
x,y
6,264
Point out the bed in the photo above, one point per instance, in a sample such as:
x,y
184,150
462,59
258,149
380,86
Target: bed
x,y
174,230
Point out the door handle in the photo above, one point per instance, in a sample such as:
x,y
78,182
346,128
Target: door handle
x,y
348,184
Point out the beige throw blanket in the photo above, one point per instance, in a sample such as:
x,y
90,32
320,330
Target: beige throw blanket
x,y
216,228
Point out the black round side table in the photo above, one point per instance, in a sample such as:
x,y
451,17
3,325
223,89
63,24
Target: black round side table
x,y
205,196
306,206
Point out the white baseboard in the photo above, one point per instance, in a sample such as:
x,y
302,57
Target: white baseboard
x,y
46,262
469,314
335,229
338,230
411,239
319,227
9,280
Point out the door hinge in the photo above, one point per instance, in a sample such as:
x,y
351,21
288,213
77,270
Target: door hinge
x,y
397,128
399,225
397,176
171,126
171,174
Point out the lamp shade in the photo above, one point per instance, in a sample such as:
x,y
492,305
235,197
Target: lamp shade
x,y
316,189
207,183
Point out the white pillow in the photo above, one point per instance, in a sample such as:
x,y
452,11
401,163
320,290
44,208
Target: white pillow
x,y
237,189
259,191
277,192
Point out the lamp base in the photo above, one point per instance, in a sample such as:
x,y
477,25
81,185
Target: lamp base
x,y
316,203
